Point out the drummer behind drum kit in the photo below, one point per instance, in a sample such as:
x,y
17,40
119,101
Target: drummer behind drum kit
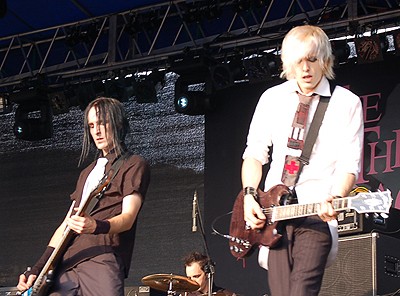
x,y
172,284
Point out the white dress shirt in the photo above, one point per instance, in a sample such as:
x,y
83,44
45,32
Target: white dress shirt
x,y
337,147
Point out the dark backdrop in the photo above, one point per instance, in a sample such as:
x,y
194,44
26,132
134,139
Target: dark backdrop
x,y
187,153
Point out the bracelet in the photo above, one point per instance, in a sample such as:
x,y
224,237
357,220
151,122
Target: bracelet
x,y
251,191
102,227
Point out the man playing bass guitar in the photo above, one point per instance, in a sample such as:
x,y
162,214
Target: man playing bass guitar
x,y
90,252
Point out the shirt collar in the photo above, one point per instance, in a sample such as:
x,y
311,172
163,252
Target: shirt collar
x,y
111,156
323,88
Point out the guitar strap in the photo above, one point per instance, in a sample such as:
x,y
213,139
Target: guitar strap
x,y
313,130
108,177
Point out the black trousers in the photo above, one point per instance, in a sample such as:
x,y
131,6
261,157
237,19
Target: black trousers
x,y
101,275
297,265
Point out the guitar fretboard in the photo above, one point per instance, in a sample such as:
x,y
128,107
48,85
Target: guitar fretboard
x,y
378,202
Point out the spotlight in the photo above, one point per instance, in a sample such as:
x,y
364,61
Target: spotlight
x,y
147,86
190,101
221,76
33,121
5,104
121,88
341,51
59,102
261,68
241,5
145,91
227,74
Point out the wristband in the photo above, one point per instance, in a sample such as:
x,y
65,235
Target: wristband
x,y
102,227
251,191
37,268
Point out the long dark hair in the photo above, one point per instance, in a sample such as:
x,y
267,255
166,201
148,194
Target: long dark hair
x,y
112,112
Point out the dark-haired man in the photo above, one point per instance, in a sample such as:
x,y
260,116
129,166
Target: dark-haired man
x,y
97,260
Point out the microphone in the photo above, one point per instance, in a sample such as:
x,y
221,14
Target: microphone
x,y
194,212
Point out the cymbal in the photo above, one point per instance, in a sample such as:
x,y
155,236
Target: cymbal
x,y
165,281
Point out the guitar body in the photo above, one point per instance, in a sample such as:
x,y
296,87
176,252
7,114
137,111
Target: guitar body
x,y
243,241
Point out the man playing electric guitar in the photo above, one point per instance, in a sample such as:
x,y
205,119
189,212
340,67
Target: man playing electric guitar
x,y
90,252
281,120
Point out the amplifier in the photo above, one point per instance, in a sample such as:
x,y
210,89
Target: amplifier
x,y
366,265
350,222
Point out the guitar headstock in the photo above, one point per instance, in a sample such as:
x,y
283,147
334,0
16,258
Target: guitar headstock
x,y
371,202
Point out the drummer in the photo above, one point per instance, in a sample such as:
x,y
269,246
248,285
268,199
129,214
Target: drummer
x,y
197,267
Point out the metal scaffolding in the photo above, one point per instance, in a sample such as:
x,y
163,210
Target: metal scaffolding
x,y
151,37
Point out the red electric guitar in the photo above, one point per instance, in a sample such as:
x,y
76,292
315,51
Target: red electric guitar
x,y
242,241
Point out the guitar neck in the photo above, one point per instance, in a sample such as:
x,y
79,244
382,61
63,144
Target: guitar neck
x,y
303,210
56,255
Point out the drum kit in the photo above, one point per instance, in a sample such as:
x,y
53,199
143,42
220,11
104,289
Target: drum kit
x,y
170,283
173,284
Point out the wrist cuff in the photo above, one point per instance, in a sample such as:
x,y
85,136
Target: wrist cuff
x,y
252,191
102,226
37,268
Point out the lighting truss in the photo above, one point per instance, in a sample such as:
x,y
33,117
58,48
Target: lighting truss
x,y
150,36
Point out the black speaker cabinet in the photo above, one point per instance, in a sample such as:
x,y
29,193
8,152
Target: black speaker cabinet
x,y
367,265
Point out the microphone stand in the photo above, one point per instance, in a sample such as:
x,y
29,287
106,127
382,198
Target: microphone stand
x,y
210,266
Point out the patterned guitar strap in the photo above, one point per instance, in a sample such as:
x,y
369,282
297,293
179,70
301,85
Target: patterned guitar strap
x,y
301,138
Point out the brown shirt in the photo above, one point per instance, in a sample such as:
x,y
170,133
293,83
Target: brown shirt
x,y
133,176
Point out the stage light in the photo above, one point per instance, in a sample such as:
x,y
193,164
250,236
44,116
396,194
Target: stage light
x,y
341,51
33,121
192,102
121,88
241,5
225,75
145,91
58,101
221,76
147,86
262,68
5,104
368,49
192,99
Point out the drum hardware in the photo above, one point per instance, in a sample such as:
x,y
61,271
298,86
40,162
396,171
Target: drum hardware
x,y
170,283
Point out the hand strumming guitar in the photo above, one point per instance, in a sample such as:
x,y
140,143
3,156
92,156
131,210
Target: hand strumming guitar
x,y
253,214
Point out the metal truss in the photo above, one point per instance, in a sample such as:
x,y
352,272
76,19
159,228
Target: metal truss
x,y
151,37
